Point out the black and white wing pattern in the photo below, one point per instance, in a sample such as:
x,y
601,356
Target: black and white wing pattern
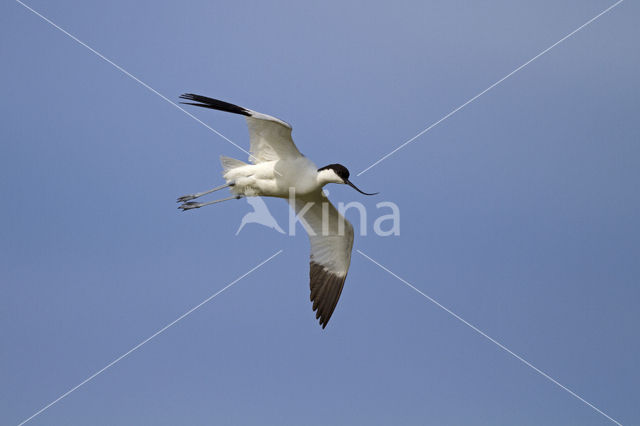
x,y
331,237
269,136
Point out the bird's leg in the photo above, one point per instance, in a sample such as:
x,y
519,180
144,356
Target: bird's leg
x,y
190,197
193,205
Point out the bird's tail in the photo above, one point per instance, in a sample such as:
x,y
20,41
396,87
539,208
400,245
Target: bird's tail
x,y
230,163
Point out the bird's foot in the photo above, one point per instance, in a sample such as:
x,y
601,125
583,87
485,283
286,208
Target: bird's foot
x,y
186,198
189,206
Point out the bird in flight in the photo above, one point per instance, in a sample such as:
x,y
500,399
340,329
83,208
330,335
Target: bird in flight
x,y
278,169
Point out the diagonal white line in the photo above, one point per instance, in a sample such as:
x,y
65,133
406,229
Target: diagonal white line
x,y
136,347
133,77
491,339
491,87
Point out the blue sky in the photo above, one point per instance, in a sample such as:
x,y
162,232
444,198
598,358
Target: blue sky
x,y
520,213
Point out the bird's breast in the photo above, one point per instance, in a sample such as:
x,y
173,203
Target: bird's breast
x,y
299,175
276,178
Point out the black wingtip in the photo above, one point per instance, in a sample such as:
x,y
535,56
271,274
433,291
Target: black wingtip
x,y
326,288
206,102
192,103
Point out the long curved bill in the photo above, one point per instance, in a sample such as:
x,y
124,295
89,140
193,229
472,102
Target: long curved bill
x,y
348,182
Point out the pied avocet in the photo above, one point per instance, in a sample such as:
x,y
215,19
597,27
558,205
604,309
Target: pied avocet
x,y
280,170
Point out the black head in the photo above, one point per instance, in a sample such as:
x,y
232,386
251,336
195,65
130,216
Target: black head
x,y
343,173
339,169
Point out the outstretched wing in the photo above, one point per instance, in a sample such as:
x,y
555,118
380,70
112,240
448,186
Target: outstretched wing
x,y
331,237
270,137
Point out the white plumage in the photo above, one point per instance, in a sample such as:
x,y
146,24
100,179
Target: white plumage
x,y
278,169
